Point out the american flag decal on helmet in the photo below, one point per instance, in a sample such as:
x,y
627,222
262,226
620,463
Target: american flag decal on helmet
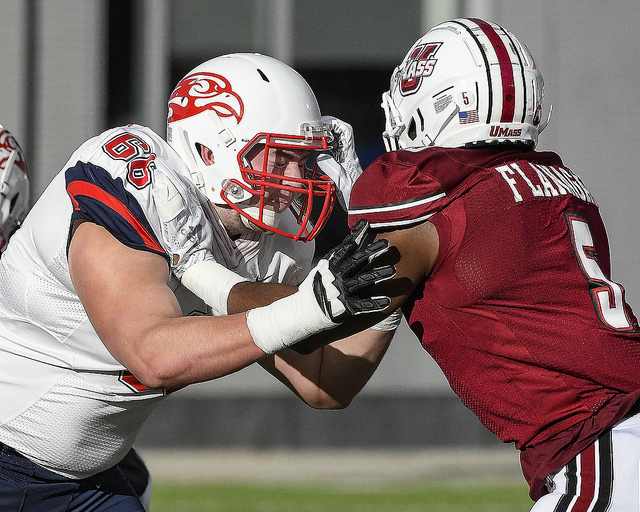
x,y
469,116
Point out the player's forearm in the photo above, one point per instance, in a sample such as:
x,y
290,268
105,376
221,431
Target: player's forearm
x,y
333,375
211,346
248,295
227,292
185,350
347,365
351,327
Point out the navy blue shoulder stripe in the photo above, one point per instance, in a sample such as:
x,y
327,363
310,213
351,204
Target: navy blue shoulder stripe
x,y
99,198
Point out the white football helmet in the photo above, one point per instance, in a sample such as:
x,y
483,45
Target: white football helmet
x,y
14,186
465,83
233,103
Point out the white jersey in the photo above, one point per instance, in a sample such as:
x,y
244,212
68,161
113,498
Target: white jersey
x,y
67,404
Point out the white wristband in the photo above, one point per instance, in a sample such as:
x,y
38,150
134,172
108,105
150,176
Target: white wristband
x,y
390,323
288,320
211,282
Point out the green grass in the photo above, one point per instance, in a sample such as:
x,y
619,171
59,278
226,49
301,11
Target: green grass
x,y
432,497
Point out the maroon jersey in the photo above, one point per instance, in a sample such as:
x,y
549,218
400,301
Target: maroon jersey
x,y
520,311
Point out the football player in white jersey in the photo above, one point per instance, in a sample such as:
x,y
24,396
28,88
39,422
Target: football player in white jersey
x,y
133,235
14,205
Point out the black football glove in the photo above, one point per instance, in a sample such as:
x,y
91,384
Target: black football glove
x,y
347,263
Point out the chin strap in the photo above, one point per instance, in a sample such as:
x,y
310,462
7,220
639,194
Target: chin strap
x,y
454,108
269,217
192,164
221,130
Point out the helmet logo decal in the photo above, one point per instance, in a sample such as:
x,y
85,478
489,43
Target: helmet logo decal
x,y
419,64
7,145
199,92
504,131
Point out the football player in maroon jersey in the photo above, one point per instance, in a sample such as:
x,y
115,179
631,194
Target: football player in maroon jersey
x,y
504,269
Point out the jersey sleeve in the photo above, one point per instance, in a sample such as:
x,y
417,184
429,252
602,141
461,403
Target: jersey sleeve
x,y
393,193
129,181
186,222
97,196
406,187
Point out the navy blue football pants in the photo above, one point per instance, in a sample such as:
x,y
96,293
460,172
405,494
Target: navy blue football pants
x,y
27,487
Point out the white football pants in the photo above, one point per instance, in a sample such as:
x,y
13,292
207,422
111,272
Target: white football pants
x,y
605,477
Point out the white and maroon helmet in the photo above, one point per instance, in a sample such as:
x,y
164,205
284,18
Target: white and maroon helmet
x,y
14,186
234,102
466,82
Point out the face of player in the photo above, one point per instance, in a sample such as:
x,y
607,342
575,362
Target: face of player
x,y
282,163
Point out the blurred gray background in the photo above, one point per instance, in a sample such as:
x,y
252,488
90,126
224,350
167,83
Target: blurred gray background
x,y
71,68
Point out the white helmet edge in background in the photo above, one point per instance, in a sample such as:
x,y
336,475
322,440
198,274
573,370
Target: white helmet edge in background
x,y
14,186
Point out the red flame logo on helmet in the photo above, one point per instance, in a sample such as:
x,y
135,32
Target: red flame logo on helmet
x,y
199,92
7,145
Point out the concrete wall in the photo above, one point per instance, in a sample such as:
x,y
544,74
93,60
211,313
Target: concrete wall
x,y
53,69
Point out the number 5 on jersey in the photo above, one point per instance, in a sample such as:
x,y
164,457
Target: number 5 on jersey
x,y
607,296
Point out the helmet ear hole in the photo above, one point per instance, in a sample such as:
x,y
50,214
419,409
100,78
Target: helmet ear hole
x,y
411,130
206,155
199,150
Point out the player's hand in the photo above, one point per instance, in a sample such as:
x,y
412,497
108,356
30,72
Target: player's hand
x,y
328,296
338,278
343,166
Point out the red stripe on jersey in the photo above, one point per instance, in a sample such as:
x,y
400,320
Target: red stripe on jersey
x,y
131,381
587,479
87,189
506,71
